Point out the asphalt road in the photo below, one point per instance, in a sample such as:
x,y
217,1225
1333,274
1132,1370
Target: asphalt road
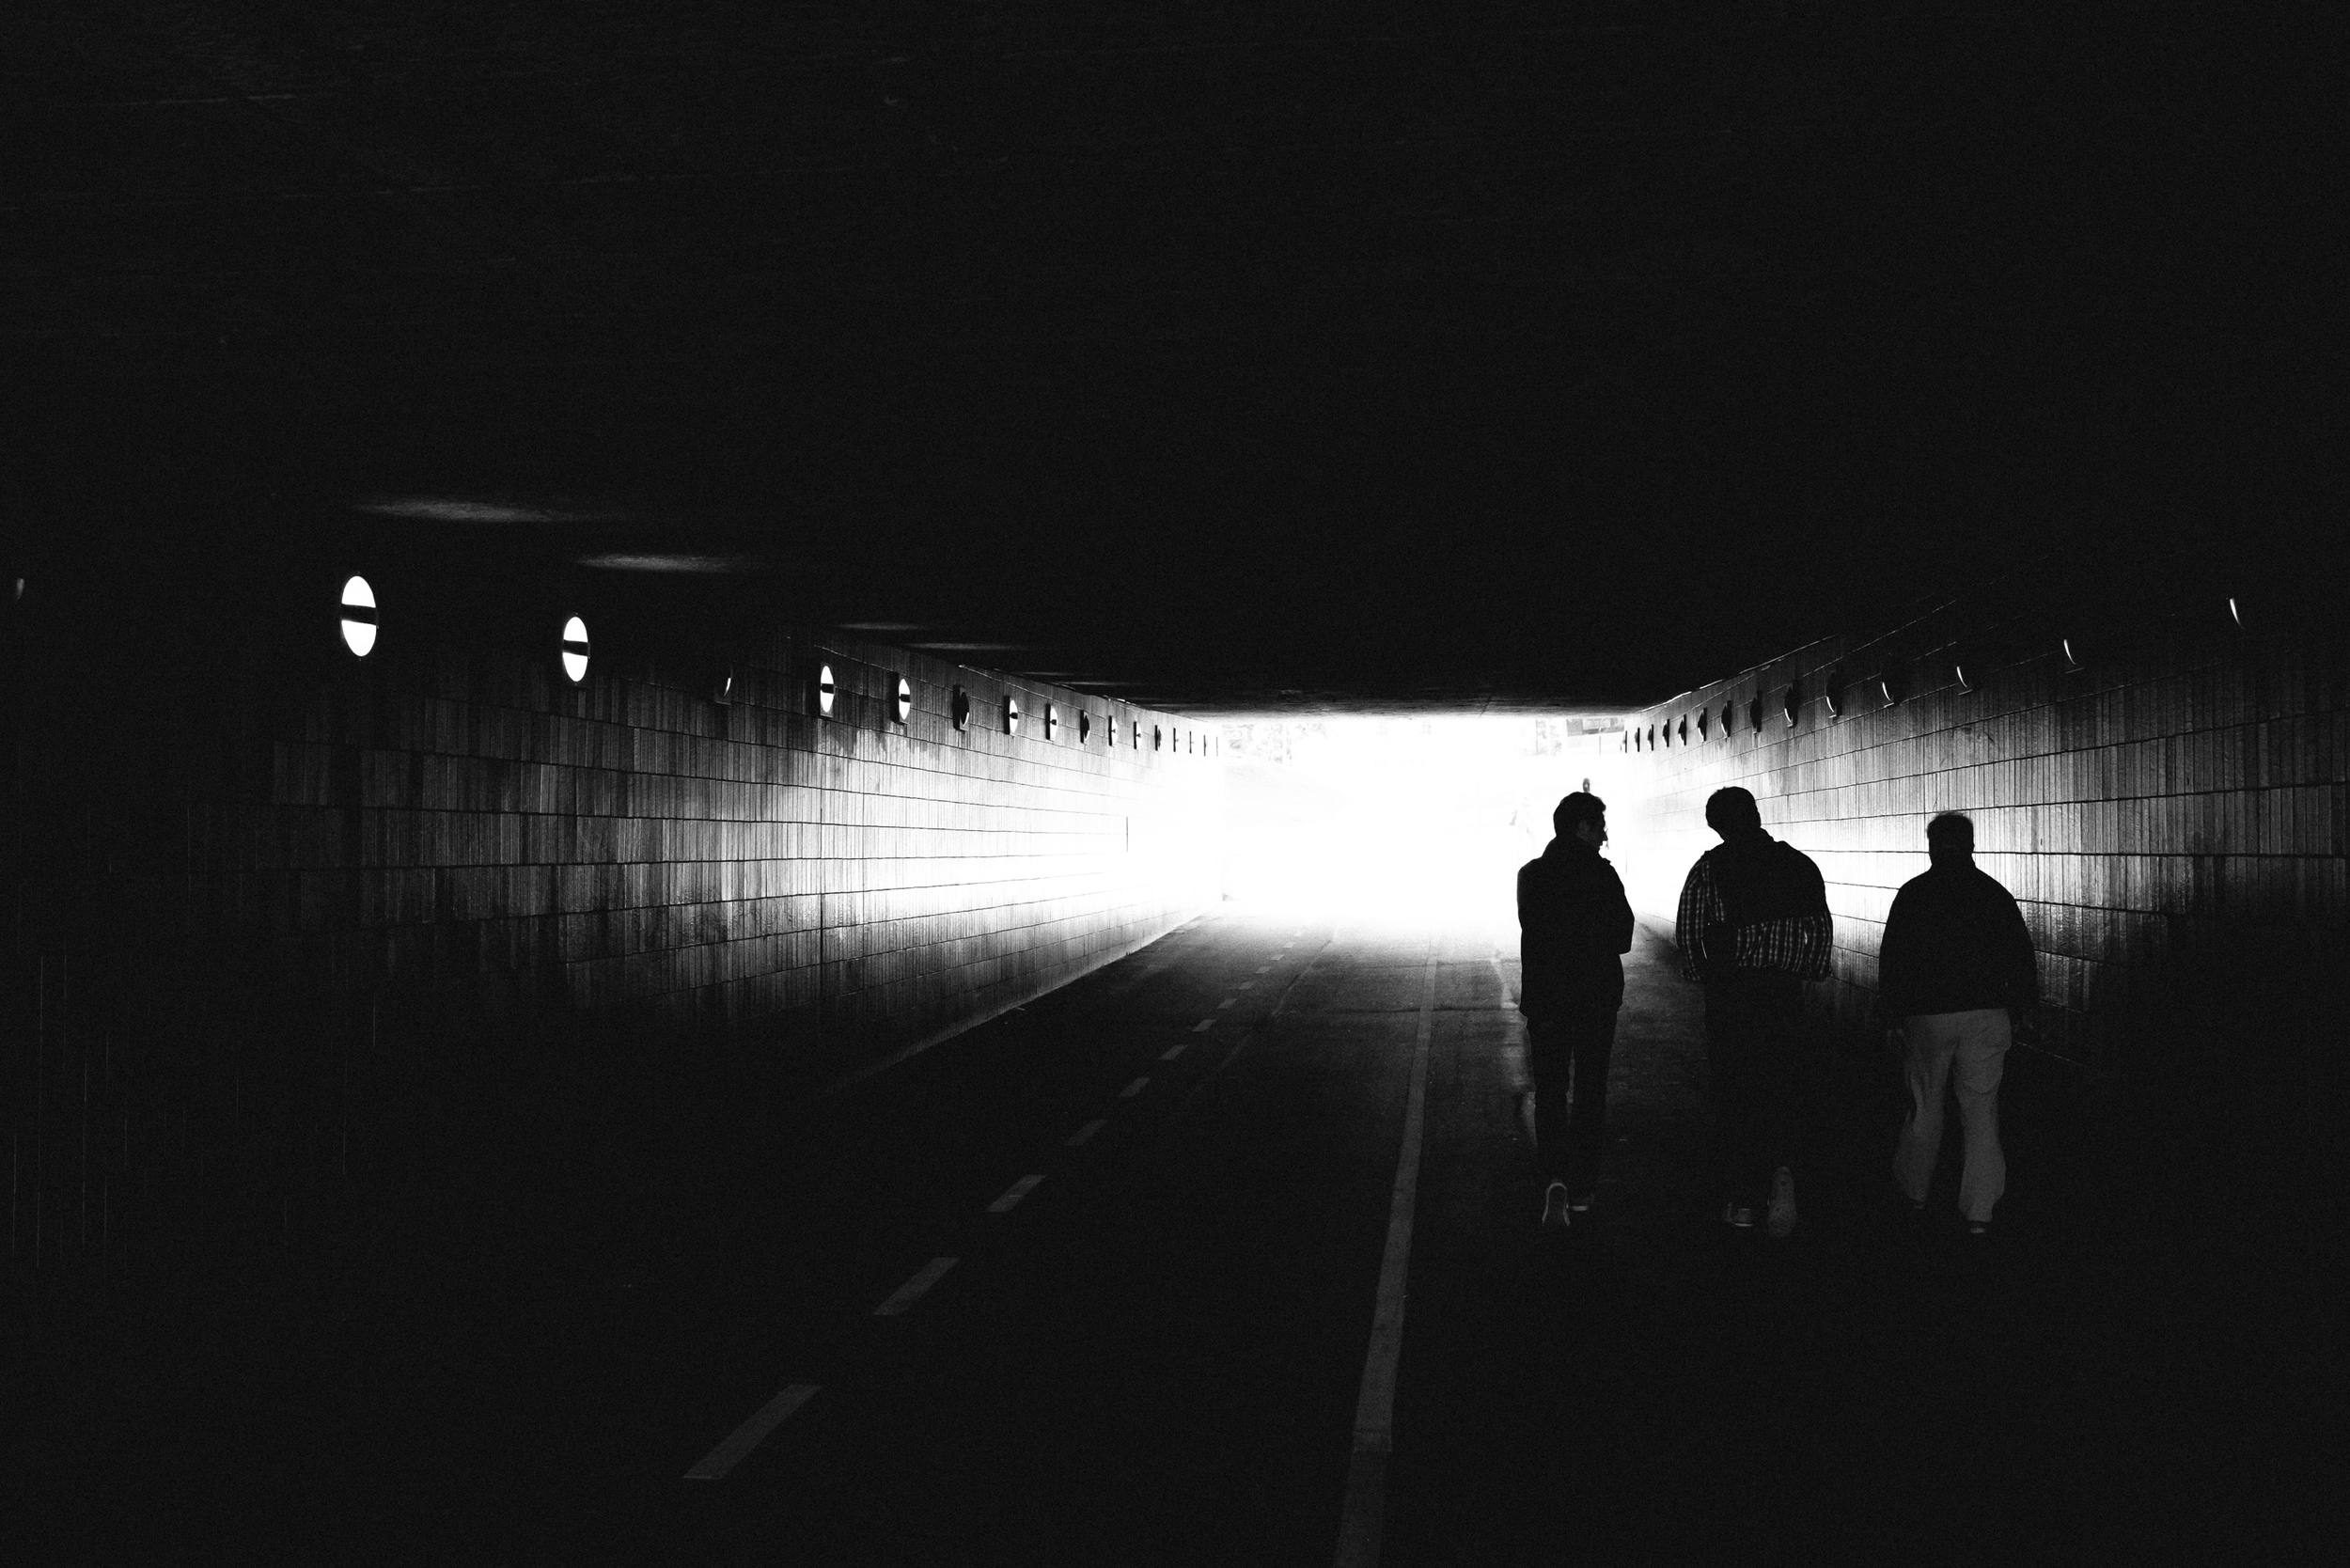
x,y
1149,1346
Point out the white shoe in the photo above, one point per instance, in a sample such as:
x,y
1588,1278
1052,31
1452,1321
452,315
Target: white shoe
x,y
1555,1204
1782,1203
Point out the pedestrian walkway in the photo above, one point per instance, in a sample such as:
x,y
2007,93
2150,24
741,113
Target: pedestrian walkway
x,y
1655,1386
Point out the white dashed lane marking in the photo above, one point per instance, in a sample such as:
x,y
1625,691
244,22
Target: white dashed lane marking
x,y
1082,1134
911,1291
1227,1002
1203,1026
1173,1051
727,1455
1265,969
1134,1089
1013,1194
1247,985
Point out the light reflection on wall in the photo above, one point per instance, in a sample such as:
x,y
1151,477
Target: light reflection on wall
x,y
1400,823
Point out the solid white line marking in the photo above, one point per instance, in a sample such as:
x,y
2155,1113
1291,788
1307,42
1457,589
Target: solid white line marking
x,y
1173,1051
911,1291
727,1455
1082,1134
1132,1089
1013,1194
1362,1520
1226,1002
1203,1026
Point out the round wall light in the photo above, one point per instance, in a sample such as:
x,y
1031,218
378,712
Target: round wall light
x,y
827,689
358,614
1893,695
901,698
2071,659
1085,726
959,708
1109,733
1012,715
2235,613
1792,705
1052,720
575,649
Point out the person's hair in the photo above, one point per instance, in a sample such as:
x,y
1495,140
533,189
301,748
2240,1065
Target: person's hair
x,y
1578,808
1728,809
1952,831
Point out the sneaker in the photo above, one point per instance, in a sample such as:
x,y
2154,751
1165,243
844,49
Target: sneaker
x,y
1782,1203
1739,1214
1555,1204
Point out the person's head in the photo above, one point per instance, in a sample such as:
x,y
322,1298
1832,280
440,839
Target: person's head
x,y
1581,815
1733,810
1951,839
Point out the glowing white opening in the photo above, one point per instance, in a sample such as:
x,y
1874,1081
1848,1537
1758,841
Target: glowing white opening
x,y
825,690
358,617
1012,715
1456,809
575,649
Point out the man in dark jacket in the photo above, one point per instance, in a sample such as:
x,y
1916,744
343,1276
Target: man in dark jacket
x,y
1573,924
1955,974
1753,926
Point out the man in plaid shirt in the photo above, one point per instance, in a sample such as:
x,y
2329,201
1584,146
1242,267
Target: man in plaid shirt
x,y
1753,926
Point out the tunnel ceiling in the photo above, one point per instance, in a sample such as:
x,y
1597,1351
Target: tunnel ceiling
x,y
1225,357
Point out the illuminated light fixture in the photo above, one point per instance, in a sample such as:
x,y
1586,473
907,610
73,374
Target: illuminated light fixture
x,y
827,689
1792,705
1158,738
1109,733
959,708
1958,673
723,692
2234,614
1012,715
1828,700
20,592
1085,726
1730,717
1892,697
1052,720
2071,659
358,614
1702,723
575,649
901,698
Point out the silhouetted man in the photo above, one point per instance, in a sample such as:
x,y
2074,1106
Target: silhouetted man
x,y
1573,926
1753,925
1955,974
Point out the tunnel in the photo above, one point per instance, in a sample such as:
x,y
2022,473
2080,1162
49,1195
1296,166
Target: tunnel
x,y
773,779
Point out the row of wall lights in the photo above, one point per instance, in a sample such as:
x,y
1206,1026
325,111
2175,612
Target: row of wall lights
x,y
359,630
1791,704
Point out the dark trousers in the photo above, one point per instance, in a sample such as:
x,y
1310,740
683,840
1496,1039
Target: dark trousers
x,y
1570,1049
1761,1078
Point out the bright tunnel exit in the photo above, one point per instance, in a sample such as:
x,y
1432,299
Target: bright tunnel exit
x,y
1402,823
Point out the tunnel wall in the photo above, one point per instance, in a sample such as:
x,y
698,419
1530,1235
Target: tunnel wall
x,y
2166,801
283,917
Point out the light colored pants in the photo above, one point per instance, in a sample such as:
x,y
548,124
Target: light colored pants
x,y
1976,1044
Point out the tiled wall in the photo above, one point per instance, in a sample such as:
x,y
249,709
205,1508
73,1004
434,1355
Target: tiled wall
x,y
2166,803
269,901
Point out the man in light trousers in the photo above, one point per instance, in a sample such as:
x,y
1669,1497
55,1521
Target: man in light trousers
x,y
1956,976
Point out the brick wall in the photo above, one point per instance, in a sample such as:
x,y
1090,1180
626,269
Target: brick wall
x,y
280,912
2166,803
